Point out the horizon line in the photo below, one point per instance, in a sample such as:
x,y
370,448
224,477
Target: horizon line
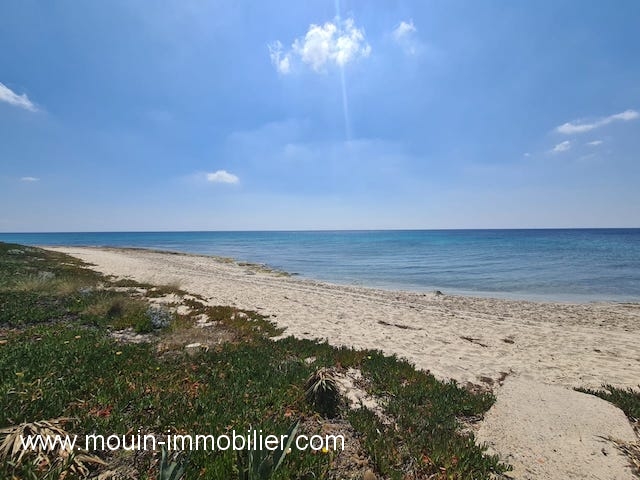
x,y
318,230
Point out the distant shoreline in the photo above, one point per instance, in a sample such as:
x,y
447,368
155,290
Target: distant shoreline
x,y
516,297
568,266
422,327
329,230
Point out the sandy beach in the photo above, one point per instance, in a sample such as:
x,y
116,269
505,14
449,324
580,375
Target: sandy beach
x,y
531,354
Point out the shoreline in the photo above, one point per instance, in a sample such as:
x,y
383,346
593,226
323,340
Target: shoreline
x,y
563,299
531,355
305,307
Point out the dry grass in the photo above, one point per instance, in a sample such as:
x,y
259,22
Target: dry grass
x,y
631,451
177,338
47,282
61,459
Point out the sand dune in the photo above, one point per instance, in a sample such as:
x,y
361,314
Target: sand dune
x,y
531,353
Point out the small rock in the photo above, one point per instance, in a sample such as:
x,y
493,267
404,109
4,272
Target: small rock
x,y
160,316
46,276
193,348
369,475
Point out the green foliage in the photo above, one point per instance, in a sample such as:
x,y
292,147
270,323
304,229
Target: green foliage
x,y
248,325
321,391
627,400
254,464
425,437
58,360
172,467
19,308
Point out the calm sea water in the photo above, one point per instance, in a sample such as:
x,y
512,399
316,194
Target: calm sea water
x,y
563,265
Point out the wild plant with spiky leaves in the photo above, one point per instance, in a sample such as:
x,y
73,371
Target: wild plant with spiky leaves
x,y
172,467
61,459
321,391
262,464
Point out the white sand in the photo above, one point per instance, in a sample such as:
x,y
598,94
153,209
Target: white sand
x,y
541,426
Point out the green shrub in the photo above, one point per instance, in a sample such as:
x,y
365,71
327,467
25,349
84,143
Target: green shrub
x,y
321,391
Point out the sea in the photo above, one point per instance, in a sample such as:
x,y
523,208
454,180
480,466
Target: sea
x,y
565,265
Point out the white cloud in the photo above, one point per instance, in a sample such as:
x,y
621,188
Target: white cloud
x,y
571,127
335,43
595,143
403,30
222,176
626,115
280,60
9,96
562,147
405,36
29,179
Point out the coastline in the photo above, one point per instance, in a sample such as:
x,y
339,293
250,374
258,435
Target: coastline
x,y
386,287
566,265
530,354
558,343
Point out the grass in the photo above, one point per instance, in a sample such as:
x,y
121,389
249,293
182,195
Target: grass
x,y
59,359
423,439
627,400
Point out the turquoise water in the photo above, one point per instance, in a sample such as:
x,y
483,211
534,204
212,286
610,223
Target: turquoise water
x,y
563,265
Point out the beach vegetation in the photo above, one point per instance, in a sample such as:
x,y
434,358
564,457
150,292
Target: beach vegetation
x,y
40,461
321,391
172,466
62,355
627,400
262,464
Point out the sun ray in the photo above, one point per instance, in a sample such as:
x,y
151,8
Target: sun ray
x,y
345,105
343,85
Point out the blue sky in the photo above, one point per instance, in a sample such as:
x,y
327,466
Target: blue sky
x,y
233,115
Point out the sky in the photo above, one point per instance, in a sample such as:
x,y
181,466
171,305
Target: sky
x,y
135,115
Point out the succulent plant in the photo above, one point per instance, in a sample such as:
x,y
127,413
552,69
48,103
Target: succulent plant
x,y
171,467
262,464
321,391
